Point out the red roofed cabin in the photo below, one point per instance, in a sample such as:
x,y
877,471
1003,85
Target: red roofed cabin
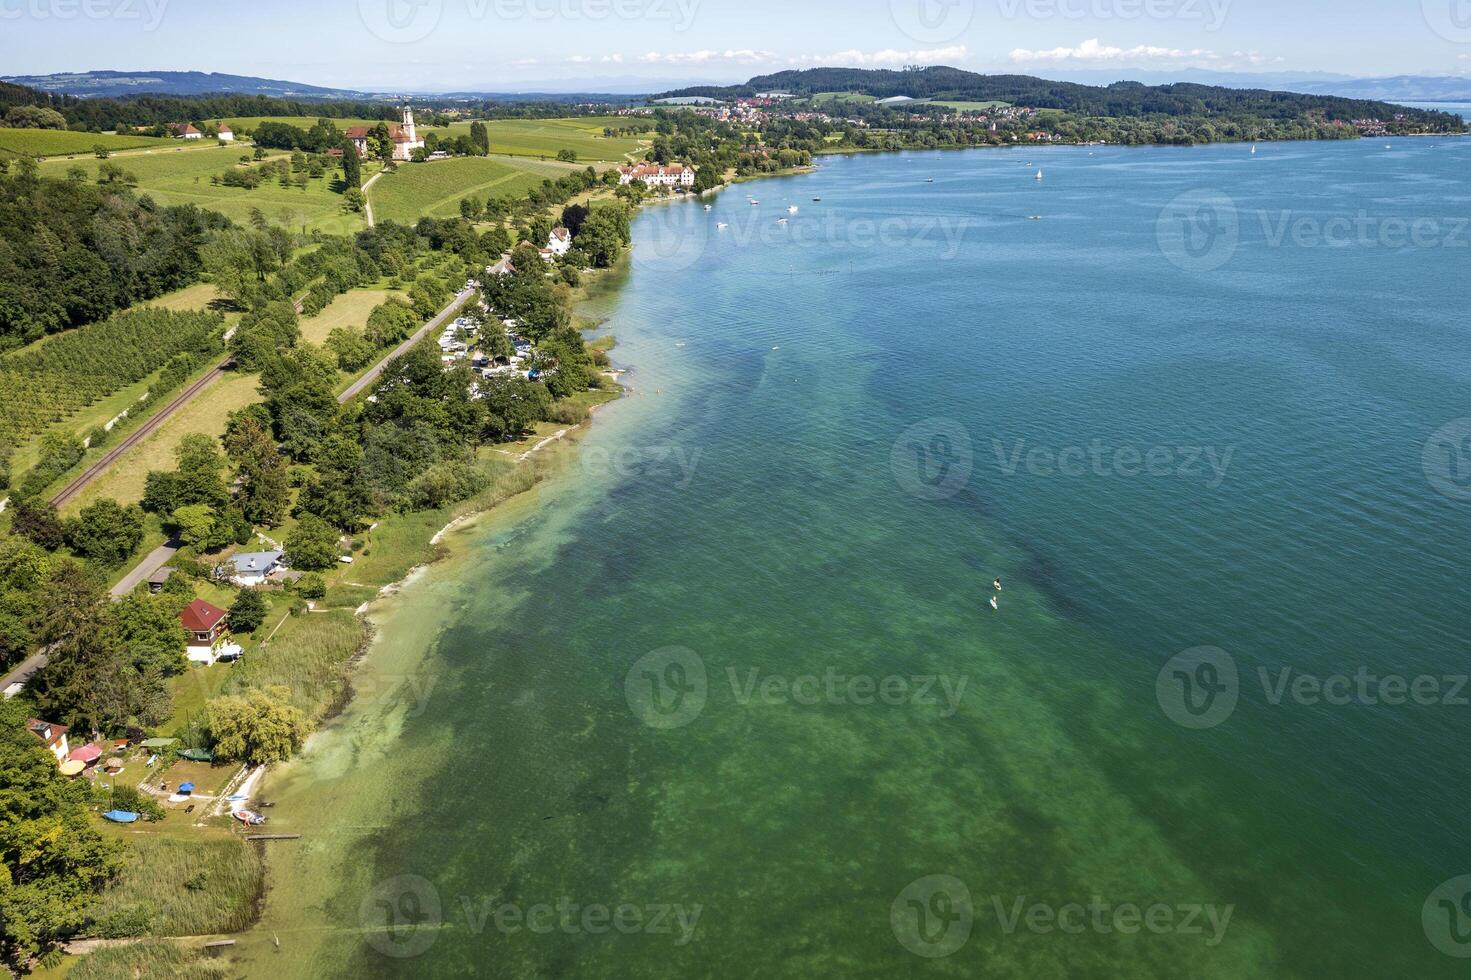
x,y
186,131
53,735
405,137
204,623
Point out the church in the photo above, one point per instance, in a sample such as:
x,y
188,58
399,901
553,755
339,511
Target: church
x,y
405,137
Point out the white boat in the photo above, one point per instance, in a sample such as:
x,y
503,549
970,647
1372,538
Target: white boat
x,y
792,209
994,603
1039,175
722,226
1253,151
781,221
709,207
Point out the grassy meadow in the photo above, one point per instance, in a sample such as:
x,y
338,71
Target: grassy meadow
x,y
56,142
435,189
192,884
972,106
182,175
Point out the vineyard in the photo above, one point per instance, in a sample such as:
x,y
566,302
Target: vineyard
x,y
51,380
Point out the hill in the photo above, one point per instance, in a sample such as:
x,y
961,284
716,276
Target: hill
x,y
1119,100
121,84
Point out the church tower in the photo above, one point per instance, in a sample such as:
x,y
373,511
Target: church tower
x,y
409,125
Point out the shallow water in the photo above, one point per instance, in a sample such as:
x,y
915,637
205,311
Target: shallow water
x,y
735,691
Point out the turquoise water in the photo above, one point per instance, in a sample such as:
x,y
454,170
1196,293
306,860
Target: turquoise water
x,y
1164,421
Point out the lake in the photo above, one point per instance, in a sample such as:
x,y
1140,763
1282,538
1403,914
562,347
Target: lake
x,y
730,698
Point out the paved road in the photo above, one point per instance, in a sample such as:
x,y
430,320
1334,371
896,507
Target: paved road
x,y
138,435
372,376
24,672
157,558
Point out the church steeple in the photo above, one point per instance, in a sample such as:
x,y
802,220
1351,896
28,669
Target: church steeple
x,y
409,125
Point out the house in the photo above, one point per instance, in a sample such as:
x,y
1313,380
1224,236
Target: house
x,y
186,131
225,134
674,175
560,242
254,568
157,579
503,267
53,735
205,625
405,137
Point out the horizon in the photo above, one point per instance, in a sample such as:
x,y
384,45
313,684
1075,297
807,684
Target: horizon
x,y
435,46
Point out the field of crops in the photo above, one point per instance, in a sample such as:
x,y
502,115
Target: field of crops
x,y
182,176
435,188
52,379
540,138
54,142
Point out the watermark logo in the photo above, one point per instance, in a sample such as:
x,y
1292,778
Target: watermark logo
x,y
1206,464
672,238
1210,14
1208,921
667,688
933,459
1199,688
1451,19
400,21
933,917
401,917
1447,460
676,464
933,21
1446,917
1199,231
147,12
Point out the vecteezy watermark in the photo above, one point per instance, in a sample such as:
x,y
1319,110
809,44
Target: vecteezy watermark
x,y
1447,460
1451,19
933,21
675,237
1023,914
404,694
933,459
401,917
568,917
1201,688
147,12
1199,231
1210,14
408,21
669,688
1207,463
404,916
932,917
675,463
1446,917
1202,231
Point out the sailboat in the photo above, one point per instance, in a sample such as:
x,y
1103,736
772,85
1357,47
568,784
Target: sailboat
x,y
1039,175
1253,150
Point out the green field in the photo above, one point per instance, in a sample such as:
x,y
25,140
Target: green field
x,y
435,189
821,97
972,106
55,142
181,176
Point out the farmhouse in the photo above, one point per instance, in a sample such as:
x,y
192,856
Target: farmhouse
x,y
674,175
405,137
53,735
186,131
225,134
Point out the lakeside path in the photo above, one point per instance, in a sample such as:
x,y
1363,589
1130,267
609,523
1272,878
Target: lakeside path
x,y
376,371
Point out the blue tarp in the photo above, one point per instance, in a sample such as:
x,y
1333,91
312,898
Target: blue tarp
x,y
186,787
120,816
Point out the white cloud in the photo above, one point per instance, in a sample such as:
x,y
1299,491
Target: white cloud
x,y
1094,50
580,59
745,56
526,62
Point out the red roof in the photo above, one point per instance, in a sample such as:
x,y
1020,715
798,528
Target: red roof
x,y
200,617
46,731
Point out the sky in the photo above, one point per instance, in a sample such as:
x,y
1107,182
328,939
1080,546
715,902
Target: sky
x,y
444,45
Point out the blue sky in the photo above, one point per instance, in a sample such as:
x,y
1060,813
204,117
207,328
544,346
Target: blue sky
x,y
429,45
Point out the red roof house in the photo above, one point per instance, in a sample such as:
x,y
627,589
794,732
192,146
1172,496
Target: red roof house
x,y
203,622
52,734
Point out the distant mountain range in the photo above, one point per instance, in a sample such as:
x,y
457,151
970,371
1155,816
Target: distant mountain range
x,y
120,84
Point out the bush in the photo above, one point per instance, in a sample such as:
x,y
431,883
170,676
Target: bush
x,y
132,799
312,586
568,413
248,611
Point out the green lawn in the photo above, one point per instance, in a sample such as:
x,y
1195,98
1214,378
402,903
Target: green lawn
x,y
842,97
972,106
349,310
182,176
544,137
436,188
54,142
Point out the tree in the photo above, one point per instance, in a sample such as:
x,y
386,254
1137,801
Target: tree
x,y
196,525
480,136
352,167
106,532
353,352
312,545
567,156
257,728
513,405
38,521
247,612
261,471
34,117
52,862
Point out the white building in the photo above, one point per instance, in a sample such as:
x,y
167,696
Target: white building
x,y
405,137
560,242
225,134
674,175
53,735
254,568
